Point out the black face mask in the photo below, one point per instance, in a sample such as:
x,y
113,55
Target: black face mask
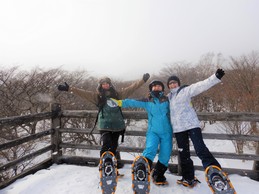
x,y
157,94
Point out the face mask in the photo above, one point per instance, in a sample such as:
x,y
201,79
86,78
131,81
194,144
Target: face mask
x,y
157,93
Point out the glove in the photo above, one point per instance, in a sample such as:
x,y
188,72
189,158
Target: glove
x,y
219,73
113,102
64,87
146,76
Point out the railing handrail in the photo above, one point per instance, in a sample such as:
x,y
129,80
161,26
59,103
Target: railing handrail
x,y
204,116
19,120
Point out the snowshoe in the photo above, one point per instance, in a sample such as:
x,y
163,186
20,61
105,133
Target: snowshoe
x,y
108,173
218,181
140,175
188,183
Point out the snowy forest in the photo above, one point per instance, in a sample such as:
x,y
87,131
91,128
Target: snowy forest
x,y
30,92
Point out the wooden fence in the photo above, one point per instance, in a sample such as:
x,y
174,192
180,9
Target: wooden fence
x,y
56,143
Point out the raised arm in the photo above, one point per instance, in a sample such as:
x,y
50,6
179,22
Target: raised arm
x,y
86,95
126,92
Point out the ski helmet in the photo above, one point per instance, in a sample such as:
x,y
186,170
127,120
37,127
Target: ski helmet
x,y
156,82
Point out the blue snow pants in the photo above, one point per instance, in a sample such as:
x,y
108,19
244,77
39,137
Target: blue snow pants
x,y
163,141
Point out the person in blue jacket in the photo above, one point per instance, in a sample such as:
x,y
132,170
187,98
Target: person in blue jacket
x,y
159,132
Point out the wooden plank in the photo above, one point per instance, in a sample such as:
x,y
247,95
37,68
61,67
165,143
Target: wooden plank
x,y
24,139
205,116
79,160
143,134
80,146
229,116
231,155
174,152
24,158
230,137
79,113
78,130
19,120
87,131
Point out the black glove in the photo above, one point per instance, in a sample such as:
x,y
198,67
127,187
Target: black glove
x,y
219,73
146,76
64,87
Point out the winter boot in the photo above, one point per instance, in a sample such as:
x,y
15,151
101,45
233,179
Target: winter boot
x,y
150,164
158,174
119,162
188,183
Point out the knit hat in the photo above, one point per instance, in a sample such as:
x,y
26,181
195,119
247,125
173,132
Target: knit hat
x,y
156,82
105,79
175,78
101,81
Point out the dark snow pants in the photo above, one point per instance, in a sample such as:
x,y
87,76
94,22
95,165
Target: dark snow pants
x,y
201,150
109,141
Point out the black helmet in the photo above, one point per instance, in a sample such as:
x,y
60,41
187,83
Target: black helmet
x,y
156,82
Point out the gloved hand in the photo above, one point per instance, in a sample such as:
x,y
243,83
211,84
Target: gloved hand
x,y
219,73
146,76
113,102
63,87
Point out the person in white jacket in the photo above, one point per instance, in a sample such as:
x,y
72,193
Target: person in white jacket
x,y
186,124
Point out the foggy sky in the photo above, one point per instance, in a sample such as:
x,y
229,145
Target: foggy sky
x,y
123,38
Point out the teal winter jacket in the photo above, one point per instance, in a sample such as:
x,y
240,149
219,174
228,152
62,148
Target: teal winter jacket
x,y
159,132
158,113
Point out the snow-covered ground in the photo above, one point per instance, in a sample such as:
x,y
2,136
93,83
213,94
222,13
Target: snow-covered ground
x,y
72,179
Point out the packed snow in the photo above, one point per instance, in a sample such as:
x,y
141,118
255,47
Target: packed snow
x,y
72,179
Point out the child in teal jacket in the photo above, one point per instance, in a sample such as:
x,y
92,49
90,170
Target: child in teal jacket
x,y
159,132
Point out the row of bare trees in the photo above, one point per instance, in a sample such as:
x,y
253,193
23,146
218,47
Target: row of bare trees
x,y
29,92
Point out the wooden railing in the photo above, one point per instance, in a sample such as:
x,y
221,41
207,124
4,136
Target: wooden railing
x,y
56,143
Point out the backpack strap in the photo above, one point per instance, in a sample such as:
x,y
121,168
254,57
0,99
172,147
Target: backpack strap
x,y
181,87
123,131
100,108
96,119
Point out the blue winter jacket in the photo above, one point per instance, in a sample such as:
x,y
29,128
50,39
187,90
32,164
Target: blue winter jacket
x,y
158,113
159,131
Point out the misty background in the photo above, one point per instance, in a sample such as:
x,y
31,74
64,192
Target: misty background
x,y
124,39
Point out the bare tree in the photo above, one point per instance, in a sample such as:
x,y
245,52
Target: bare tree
x,y
24,93
237,128
241,93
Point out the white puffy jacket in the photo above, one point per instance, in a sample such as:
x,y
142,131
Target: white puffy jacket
x,y
182,114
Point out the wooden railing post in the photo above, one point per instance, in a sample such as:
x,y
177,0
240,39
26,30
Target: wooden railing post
x,y
256,163
56,135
